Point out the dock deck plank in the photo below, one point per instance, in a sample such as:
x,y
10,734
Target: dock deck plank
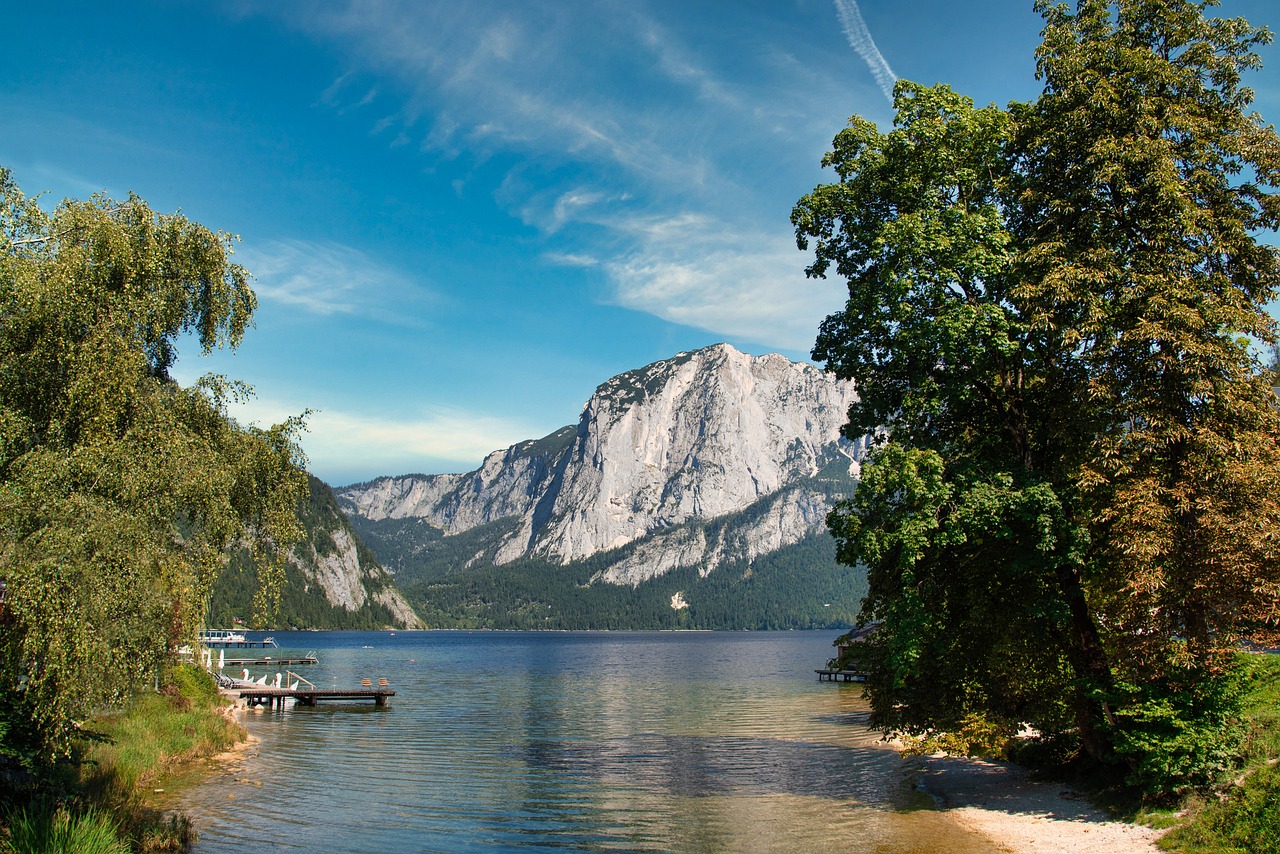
x,y
268,660
269,695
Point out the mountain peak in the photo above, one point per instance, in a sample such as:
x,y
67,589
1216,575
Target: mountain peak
x,y
701,435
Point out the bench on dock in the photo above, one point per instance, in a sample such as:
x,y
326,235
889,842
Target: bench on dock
x,y
828,674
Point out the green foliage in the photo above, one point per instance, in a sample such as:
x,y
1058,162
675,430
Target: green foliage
x,y
50,828
123,755
1246,820
157,732
972,635
1182,737
120,491
1262,706
1244,816
1077,484
19,749
973,735
302,602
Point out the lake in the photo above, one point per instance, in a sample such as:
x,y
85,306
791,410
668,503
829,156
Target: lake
x,y
590,741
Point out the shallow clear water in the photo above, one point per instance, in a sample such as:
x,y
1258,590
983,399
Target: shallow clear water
x,y
513,741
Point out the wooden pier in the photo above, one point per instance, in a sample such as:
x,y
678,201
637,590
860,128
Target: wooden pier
x,y
267,661
265,643
828,674
267,695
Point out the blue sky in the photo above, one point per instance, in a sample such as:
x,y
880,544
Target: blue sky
x,y
463,216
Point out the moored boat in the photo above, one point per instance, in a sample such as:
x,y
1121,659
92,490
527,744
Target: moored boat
x,y
213,638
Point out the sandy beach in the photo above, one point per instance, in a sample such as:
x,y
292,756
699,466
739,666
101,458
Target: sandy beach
x,y
1002,803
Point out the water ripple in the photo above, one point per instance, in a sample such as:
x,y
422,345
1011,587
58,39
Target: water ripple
x,y
569,742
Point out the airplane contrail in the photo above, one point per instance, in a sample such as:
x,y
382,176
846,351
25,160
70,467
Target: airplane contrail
x,y
855,30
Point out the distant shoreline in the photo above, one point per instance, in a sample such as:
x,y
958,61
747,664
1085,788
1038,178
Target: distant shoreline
x,y
837,631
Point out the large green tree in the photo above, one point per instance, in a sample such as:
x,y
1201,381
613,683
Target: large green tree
x,y
1073,514
120,491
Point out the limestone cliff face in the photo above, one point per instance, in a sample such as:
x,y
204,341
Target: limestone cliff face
x,y
787,517
508,483
336,565
700,436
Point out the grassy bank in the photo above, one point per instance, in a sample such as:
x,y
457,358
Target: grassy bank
x,y
100,804
1243,817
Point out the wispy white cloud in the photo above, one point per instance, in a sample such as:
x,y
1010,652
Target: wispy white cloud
x,y
551,210
540,81
54,183
855,30
342,445
697,271
339,95
682,66
333,279
568,205
346,441
330,95
571,259
623,139
44,171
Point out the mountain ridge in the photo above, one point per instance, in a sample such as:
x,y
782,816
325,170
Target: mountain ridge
x,y
630,493
699,435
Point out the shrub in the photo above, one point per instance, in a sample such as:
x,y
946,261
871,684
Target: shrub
x,y
1177,739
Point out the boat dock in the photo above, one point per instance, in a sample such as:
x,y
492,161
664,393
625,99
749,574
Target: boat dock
x,y
266,661
827,674
302,691
267,695
265,643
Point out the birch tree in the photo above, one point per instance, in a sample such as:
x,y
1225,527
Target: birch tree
x,y
120,490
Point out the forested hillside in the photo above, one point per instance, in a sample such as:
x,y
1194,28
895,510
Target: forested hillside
x,y
331,579
800,586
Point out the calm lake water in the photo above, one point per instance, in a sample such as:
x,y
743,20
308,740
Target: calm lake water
x,y
525,742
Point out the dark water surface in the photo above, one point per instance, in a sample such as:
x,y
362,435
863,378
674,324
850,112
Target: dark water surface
x,y
523,741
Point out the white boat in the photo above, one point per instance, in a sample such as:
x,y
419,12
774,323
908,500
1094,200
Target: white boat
x,y
214,637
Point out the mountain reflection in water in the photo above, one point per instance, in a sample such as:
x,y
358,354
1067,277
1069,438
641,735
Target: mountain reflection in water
x,y
503,741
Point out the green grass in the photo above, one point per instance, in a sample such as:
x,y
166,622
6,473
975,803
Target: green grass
x,y
46,827
102,809
158,733
1244,816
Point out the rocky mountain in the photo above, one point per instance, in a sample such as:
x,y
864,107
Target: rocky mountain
x,y
332,580
641,488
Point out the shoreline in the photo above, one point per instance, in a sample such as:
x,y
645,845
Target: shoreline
x,y
996,805
170,798
1001,803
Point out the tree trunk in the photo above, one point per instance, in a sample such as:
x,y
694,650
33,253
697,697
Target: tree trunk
x,y
1092,670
